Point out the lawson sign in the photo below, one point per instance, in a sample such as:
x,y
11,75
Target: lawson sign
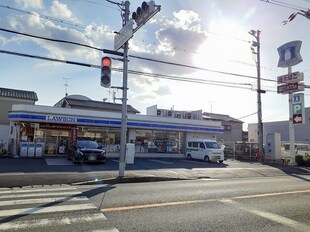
x,y
54,118
289,54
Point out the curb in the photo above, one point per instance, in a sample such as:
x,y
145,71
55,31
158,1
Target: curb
x,y
134,179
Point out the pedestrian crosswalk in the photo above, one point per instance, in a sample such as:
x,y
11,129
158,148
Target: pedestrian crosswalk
x,y
49,208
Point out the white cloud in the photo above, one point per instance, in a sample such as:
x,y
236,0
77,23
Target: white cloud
x,y
174,41
187,20
3,40
61,10
35,4
163,90
34,24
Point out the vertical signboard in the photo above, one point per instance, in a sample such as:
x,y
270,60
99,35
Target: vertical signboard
x,y
298,108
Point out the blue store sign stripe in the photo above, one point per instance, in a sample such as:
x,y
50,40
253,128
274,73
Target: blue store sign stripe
x,y
105,122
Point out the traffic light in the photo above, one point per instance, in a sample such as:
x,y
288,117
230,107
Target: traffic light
x,y
144,13
106,63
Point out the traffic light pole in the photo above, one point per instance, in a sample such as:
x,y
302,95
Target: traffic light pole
x,y
122,157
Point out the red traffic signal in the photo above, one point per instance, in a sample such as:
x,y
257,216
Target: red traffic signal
x,y
105,80
106,61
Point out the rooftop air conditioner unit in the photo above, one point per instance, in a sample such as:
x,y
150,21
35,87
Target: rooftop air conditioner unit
x,y
159,113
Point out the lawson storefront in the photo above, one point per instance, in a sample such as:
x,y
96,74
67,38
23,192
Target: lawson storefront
x,y
57,128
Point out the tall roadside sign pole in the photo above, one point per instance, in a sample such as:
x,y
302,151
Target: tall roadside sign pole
x,y
141,16
289,54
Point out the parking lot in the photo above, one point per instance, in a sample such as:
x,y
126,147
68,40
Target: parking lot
x,y
61,164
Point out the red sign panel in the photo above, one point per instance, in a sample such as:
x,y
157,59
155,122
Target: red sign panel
x,y
73,137
290,78
291,87
297,118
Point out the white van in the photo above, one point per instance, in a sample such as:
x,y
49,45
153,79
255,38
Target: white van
x,y
204,149
300,149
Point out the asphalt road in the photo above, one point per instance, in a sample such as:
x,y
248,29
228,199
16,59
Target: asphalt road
x,y
241,204
29,172
54,195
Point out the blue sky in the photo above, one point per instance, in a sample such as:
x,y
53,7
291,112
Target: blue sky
x,y
210,34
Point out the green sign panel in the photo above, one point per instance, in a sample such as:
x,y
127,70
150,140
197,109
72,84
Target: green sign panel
x,y
297,108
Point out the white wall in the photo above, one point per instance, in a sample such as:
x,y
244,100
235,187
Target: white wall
x,y
4,134
193,135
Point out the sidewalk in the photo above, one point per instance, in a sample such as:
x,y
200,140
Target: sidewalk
x,y
17,172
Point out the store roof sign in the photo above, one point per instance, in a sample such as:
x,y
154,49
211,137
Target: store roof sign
x,y
289,54
61,119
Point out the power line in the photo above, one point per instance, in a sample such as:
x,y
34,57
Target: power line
x,y
63,21
138,57
283,4
49,39
162,76
199,68
94,28
246,116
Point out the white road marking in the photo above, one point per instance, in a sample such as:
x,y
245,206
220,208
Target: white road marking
x,y
43,200
195,161
58,161
52,222
31,189
109,230
174,172
270,216
161,161
39,200
44,194
49,209
208,179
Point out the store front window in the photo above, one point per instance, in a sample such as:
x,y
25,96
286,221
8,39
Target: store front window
x,y
152,141
110,138
57,137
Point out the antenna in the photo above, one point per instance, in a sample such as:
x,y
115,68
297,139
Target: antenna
x,y
66,85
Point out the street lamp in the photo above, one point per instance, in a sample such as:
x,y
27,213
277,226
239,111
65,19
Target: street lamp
x,y
256,44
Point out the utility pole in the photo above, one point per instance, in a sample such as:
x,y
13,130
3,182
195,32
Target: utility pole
x,y
256,44
122,157
66,85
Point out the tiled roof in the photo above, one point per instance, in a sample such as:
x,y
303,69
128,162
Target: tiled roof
x,y
97,105
20,94
219,117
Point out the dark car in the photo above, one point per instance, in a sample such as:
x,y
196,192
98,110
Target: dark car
x,y
228,152
246,150
87,151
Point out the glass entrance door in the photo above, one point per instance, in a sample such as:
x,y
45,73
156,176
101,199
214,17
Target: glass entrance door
x,y
56,142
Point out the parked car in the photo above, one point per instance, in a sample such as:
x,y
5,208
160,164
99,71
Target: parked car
x,y
246,150
87,151
228,152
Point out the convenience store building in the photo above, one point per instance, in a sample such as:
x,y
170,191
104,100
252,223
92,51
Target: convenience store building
x,y
159,133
